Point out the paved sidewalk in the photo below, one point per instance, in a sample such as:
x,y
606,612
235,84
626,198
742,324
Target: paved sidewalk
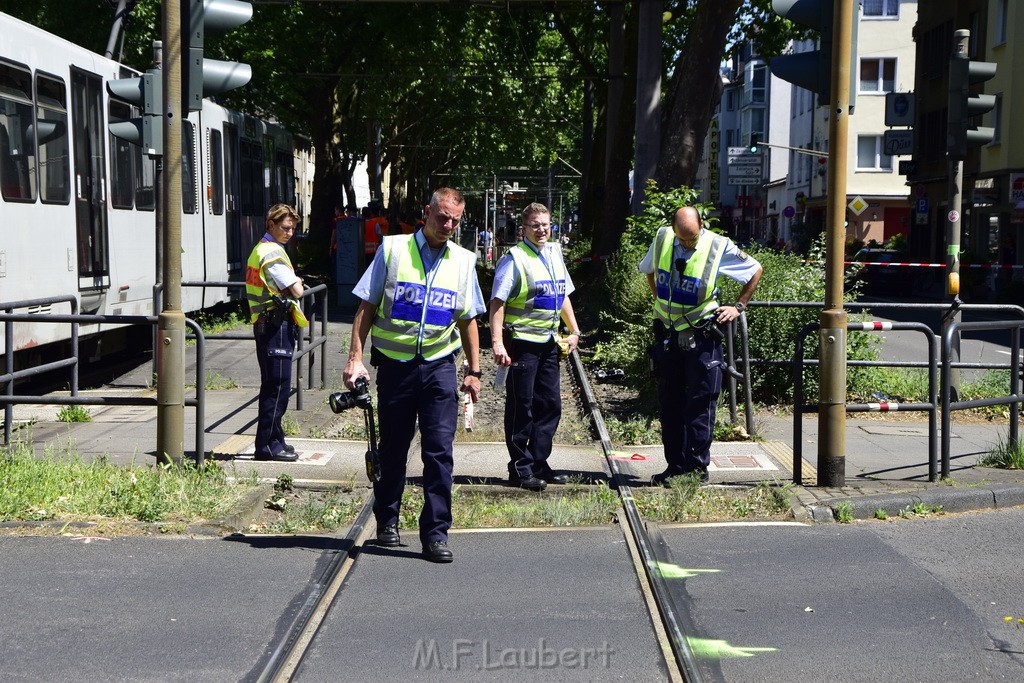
x,y
886,461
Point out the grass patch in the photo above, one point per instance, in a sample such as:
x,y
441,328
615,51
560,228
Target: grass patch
x,y
1005,455
214,381
919,509
309,511
844,512
74,414
688,501
61,486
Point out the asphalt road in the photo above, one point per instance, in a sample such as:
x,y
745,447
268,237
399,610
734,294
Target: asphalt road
x,y
907,600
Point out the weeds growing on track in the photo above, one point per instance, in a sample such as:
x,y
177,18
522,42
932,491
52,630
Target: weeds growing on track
x,y
688,501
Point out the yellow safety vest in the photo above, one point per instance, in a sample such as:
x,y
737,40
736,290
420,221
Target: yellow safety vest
x,y
419,311
692,296
258,291
534,310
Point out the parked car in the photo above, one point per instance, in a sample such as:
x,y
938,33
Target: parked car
x,y
881,279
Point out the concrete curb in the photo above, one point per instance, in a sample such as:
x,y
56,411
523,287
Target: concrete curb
x,y
949,499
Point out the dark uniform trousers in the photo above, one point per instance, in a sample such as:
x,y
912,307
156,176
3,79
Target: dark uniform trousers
x,y
689,382
405,391
275,345
533,406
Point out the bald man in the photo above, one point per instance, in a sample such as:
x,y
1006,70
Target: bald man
x,y
682,267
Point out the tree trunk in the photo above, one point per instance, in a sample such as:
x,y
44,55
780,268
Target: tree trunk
x,y
694,92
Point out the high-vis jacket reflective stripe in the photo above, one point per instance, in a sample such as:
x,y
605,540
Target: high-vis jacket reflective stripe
x,y
534,310
694,296
257,290
418,314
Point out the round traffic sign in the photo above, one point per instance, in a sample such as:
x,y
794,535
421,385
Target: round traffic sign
x,y
789,212
953,216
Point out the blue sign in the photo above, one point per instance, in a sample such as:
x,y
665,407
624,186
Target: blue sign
x,y
922,205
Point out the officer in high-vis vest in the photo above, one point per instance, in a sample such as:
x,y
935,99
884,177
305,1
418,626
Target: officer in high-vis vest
x,y
272,289
682,267
529,298
420,297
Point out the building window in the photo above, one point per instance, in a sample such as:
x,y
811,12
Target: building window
x,y
870,156
755,79
730,100
878,75
887,9
1002,10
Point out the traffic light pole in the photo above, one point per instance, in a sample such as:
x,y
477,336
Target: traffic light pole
x,y
832,331
170,388
961,39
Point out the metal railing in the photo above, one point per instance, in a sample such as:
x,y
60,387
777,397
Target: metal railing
x,y
799,407
309,342
1013,399
946,406
9,400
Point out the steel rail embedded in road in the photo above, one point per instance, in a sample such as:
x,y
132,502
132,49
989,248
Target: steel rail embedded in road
x,y
291,647
680,645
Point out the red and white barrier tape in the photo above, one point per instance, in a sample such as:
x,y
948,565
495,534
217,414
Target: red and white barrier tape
x,y
871,325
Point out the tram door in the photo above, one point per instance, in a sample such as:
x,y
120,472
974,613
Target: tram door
x,y
90,185
232,219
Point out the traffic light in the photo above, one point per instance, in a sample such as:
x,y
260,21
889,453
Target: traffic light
x,y
753,143
202,77
145,92
813,70
963,106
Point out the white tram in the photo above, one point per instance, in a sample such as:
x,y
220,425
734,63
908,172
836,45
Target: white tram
x,y
77,206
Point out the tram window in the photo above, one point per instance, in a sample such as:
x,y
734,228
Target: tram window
x,y
273,193
285,163
17,144
145,180
52,140
122,189
188,168
245,151
216,173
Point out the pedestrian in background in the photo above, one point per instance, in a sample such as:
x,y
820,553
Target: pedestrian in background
x,y
420,297
529,297
272,289
682,267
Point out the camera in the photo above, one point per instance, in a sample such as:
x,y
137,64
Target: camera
x,y
360,396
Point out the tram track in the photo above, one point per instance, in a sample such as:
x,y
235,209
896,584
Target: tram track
x,y
647,553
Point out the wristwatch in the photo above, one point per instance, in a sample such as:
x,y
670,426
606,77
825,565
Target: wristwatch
x,y
475,373
740,306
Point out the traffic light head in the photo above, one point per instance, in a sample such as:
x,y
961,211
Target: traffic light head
x,y
202,77
812,70
753,143
146,93
963,106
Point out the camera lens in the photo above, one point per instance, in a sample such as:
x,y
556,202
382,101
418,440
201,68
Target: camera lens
x,y
341,401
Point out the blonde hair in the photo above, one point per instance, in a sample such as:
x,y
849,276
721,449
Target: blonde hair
x,y
278,212
448,193
533,209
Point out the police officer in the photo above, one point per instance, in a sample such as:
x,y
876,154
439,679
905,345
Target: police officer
x,y
682,267
419,300
530,295
271,287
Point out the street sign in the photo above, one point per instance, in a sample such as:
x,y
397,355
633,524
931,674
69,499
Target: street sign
x,y
898,142
907,167
735,181
899,109
745,172
748,160
857,205
921,205
789,212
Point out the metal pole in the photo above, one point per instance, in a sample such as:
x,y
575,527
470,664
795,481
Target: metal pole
x,y
833,319
170,390
961,38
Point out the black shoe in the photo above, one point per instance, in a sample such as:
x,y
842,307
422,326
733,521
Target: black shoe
x,y
530,483
437,551
550,477
289,448
283,456
387,536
